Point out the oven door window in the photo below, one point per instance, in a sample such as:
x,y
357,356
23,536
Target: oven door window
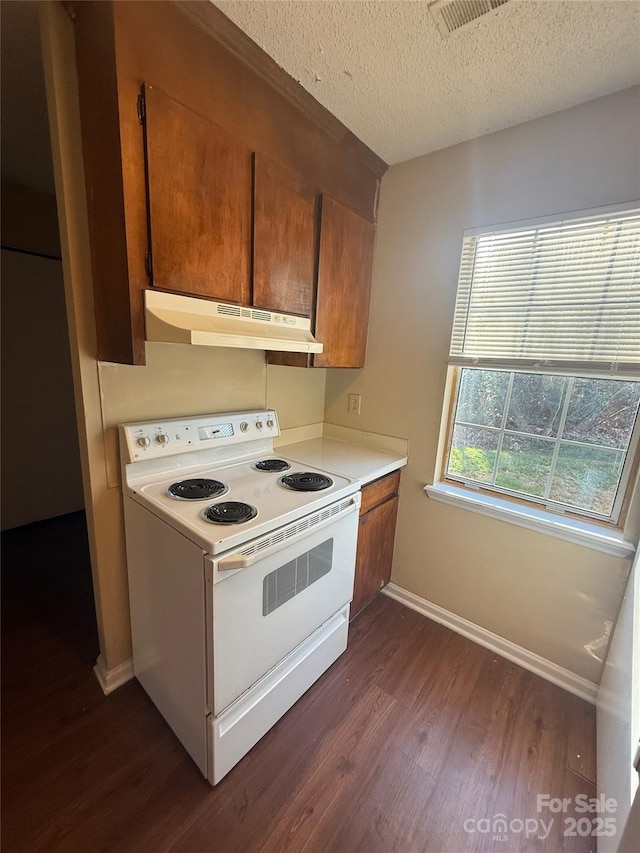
x,y
260,614
289,580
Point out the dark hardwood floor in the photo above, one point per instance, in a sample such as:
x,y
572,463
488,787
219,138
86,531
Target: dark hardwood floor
x,y
412,734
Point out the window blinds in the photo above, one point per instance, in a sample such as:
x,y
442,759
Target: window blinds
x,y
556,294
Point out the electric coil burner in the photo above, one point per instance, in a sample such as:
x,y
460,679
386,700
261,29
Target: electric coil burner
x,y
230,512
272,465
197,489
306,481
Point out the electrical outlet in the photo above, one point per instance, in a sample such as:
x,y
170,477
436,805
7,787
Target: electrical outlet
x,y
354,404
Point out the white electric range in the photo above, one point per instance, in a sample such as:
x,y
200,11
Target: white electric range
x,y
241,567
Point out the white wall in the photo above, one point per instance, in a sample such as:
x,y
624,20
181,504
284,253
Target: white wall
x,y
619,712
38,408
552,597
297,394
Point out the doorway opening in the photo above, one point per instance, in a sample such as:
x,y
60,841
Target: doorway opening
x,y
44,534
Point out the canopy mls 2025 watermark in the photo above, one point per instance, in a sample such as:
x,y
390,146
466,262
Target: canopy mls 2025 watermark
x,y
590,817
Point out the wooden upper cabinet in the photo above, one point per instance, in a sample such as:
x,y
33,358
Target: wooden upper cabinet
x,y
344,286
284,239
182,184
199,196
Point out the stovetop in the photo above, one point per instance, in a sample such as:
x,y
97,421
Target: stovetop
x,y
147,480
275,503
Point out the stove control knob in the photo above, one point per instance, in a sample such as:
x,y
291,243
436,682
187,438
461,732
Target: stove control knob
x,y
163,438
259,424
270,423
244,426
144,441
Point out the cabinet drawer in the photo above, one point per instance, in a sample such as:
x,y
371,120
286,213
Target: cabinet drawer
x,y
378,491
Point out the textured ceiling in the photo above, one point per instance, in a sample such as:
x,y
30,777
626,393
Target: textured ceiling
x,y
386,72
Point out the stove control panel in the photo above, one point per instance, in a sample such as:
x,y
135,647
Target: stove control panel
x,y
153,439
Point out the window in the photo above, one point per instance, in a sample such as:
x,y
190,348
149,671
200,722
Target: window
x,y
556,439
546,354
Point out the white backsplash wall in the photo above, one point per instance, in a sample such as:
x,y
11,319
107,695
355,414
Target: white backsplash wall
x,y
177,380
297,394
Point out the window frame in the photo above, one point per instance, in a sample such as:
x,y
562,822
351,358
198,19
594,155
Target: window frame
x,y
583,527
620,507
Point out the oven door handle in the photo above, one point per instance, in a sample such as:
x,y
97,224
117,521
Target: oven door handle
x,y
240,560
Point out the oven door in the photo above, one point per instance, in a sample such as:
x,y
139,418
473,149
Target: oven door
x,y
267,597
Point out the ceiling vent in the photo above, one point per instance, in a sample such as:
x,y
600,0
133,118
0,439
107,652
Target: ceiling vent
x,y
450,15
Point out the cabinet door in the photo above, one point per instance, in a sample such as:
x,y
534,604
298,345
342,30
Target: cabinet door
x,y
344,286
199,196
375,553
284,240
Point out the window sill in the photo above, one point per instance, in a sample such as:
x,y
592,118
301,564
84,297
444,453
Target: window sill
x,y
570,529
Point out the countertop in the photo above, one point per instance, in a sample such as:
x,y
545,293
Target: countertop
x,y
358,461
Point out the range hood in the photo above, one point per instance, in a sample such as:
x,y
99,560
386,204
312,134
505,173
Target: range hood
x,y
175,319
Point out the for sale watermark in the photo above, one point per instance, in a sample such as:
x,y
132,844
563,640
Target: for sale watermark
x,y
581,815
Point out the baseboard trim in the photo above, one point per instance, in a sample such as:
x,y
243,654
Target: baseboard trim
x,y
111,679
546,669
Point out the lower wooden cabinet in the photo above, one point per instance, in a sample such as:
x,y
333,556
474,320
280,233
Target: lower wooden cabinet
x,y
376,536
